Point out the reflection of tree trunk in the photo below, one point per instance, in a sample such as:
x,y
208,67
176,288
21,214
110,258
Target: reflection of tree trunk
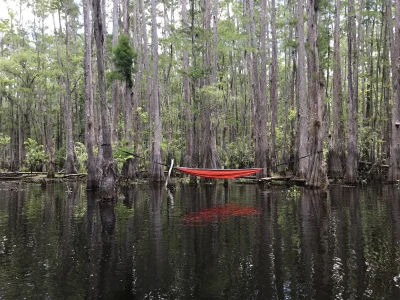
x,y
265,249
107,260
356,261
67,224
277,254
393,205
156,196
339,231
313,214
93,240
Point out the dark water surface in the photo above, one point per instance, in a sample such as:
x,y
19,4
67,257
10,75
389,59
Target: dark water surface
x,y
64,243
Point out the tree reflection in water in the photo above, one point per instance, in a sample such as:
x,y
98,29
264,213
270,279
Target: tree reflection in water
x,y
65,242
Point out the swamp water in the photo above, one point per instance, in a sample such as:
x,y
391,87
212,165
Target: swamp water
x,y
213,242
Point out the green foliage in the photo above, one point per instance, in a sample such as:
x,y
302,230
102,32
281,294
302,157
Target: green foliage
x,y
35,155
120,155
4,141
81,155
294,192
60,158
238,155
124,58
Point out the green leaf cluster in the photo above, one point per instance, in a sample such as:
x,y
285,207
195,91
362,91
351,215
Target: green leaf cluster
x,y
124,58
81,155
35,155
4,140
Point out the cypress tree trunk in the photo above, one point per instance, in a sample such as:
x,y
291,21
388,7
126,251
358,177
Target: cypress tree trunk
x,y
336,150
156,171
69,162
115,87
394,162
147,71
130,168
137,81
274,86
92,180
260,103
186,95
316,170
352,160
263,58
209,155
109,171
302,129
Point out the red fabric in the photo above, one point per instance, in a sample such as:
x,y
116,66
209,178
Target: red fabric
x,y
220,173
220,213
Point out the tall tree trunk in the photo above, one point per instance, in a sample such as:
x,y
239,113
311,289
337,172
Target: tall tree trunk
x,y
260,103
147,71
69,162
194,83
274,86
352,160
394,162
156,170
316,170
114,110
263,58
386,89
336,149
92,180
186,95
137,81
130,168
209,154
302,129
109,169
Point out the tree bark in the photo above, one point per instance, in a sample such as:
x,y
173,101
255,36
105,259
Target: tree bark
x,y
156,171
69,162
336,150
260,103
316,176
209,154
186,95
394,162
115,87
302,129
137,80
92,180
109,171
147,71
263,59
274,86
352,160
130,168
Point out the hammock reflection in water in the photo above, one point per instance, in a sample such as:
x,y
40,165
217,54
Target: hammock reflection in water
x,y
220,213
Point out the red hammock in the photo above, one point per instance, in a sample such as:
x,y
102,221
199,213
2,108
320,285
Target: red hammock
x,y
219,173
